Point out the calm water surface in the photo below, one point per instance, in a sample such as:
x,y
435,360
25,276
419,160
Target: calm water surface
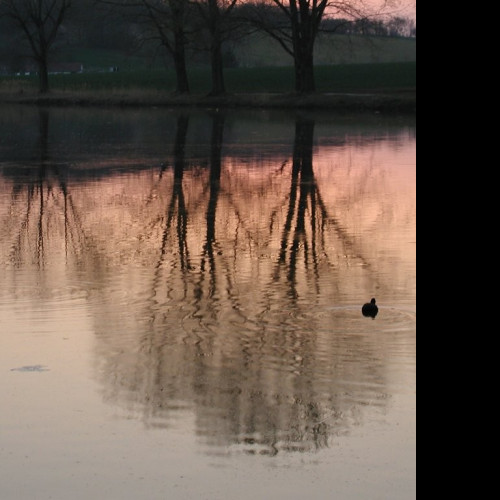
x,y
180,305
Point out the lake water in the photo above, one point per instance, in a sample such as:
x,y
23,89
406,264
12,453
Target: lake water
x,y
180,305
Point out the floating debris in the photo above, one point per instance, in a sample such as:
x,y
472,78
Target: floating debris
x,y
30,368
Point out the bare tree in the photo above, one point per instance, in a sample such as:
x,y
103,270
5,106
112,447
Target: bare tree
x,y
215,16
170,19
39,21
179,24
297,26
166,21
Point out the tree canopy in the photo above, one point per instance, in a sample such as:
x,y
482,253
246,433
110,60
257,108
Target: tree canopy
x,y
39,22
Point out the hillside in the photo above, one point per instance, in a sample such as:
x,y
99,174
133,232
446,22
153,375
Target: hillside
x,y
330,49
257,51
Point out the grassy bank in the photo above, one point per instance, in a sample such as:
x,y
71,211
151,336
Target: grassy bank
x,y
258,51
384,85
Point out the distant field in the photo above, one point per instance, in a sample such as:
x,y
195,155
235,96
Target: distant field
x,y
333,78
343,64
330,49
102,60
260,51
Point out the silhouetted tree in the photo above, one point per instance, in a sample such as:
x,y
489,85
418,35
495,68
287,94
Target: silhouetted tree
x,y
215,16
169,21
298,26
39,21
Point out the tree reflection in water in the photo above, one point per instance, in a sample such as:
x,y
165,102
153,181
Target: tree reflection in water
x,y
43,190
209,298
226,361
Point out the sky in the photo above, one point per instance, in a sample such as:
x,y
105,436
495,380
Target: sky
x,y
390,8
408,7
405,8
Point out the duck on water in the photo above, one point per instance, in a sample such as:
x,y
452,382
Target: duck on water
x,y
370,309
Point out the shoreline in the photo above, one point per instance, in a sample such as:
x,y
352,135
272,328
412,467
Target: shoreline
x,y
399,101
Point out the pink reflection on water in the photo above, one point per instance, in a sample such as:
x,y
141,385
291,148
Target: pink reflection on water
x,y
216,316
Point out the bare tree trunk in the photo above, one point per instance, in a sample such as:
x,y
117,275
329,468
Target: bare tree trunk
x,y
39,21
180,63
214,16
305,20
218,84
296,32
214,20
43,76
304,72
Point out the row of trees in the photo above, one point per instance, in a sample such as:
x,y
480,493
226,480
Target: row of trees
x,y
184,26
